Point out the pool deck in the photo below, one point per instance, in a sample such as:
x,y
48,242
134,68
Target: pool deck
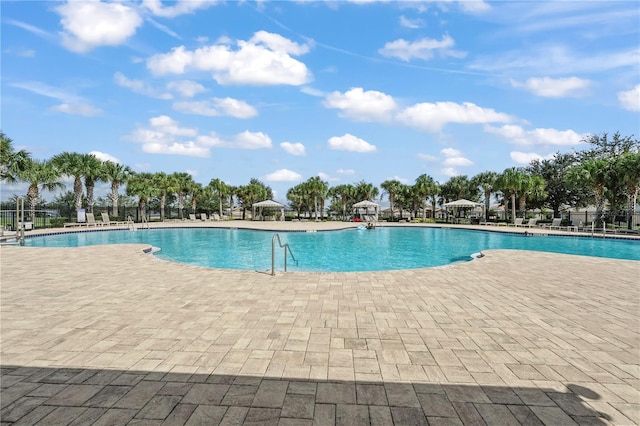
x,y
107,335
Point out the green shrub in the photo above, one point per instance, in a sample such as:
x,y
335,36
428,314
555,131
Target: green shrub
x,y
57,222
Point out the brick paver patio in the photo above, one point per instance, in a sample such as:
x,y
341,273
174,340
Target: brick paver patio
x,y
110,336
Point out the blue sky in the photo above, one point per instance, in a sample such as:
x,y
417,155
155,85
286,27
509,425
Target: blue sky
x,y
283,91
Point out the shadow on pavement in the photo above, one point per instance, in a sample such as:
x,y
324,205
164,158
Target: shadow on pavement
x,y
76,396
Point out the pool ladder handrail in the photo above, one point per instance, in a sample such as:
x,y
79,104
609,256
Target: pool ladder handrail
x,y
286,248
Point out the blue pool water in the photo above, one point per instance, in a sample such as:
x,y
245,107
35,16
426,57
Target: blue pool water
x,y
338,251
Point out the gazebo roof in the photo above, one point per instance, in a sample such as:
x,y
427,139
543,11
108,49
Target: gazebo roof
x,y
366,203
462,203
268,203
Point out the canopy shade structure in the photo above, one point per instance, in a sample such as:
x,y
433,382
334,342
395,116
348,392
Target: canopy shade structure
x,y
366,204
462,203
269,204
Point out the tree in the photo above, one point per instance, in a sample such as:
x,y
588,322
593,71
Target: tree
x,y
39,175
12,163
559,191
424,187
93,172
533,188
629,168
510,182
184,182
71,164
197,192
317,190
220,190
117,175
251,194
166,185
593,173
390,189
141,185
486,181
343,194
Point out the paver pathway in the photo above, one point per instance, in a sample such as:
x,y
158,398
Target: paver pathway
x,y
108,335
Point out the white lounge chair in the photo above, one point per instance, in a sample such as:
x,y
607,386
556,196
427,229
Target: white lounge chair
x,y
516,222
555,223
106,221
203,216
192,217
531,223
91,220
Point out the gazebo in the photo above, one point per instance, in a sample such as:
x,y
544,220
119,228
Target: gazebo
x,y
462,203
269,204
366,204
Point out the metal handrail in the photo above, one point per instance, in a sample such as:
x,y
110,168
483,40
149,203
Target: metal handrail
x,y
273,253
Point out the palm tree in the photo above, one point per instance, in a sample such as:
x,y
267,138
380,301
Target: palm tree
x,y
142,186
390,188
40,175
197,192
486,181
117,174
71,164
593,173
317,189
344,194
93,172
183,184
533,187
425,187
511,182
629,166
220,190
296,196
165,184
12,163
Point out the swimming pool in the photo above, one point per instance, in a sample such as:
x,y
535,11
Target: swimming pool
x,y
350,250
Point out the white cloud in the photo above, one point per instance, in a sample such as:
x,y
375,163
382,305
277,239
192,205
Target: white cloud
x,y
265,59
346,172
558,60
474,6
217,107
519,136
87,25
307,90
293,148
327,177
555,87
180,7
399,179
139,86
449,171
424,49
630,99
165,136
349,142
427,157
186,88
83,109
527,157
71,103
103,156
362,105
453,157
283,175
244,140
410,23
433,116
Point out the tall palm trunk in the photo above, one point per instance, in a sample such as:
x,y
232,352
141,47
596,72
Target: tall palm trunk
x,y
513,206
114,199
90,201
163,202
32,195
77,191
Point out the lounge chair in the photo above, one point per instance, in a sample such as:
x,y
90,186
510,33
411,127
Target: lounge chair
x,y
215,216
192,217
555,224
516,222
106,221
576,225
203,216
91,220
531,223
